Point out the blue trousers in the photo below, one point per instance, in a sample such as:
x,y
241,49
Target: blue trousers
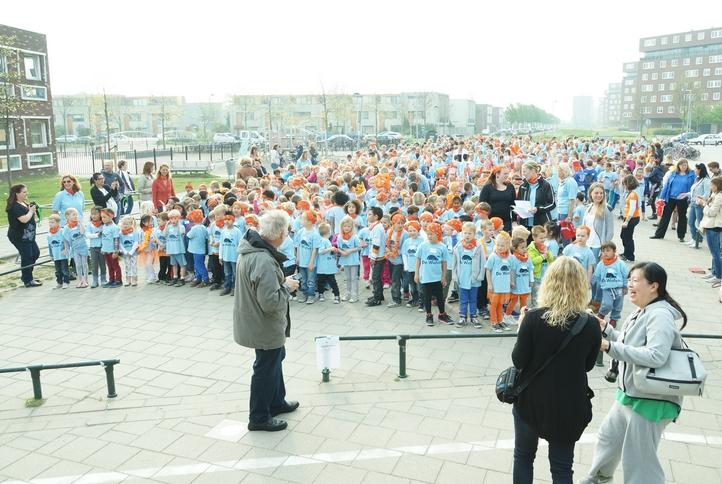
x,y
694,216
467,302
267,388
612,302
308,281
229,274
199,263
713,242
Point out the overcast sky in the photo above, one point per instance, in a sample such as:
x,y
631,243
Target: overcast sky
x,y
541,52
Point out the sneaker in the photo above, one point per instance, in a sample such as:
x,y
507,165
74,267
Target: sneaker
x,y
505,327
429,320
509,320
476,323
410,304
311,300
353,300
714,280
497,328
233,292
215,287
336,300
302,299
461,322
386,286
294,298
368,284
321,298
485,314
393,304
58,285
446,318
452,299
421,309
94,285
708,277
224,292
201,284
108,285
66,285
194,283
116,284
127,282
345,297
373,302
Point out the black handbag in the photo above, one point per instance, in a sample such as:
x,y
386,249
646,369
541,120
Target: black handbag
x,y
507,389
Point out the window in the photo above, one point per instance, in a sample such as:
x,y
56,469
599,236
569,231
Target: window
x,y
672,86
3,64
629,98
9,90
662,64
706,72
655,76
33,67
15,163
665,98
77,118
663,41
698,60
647,110
691,73
670,110
715,59
668,75
675,39
704,96
40,160
650,42
685,61
648,65
34,93
697,84
647,87
674,62
628,82
715,96
687,37
700,36
4,138
715,34
631,106
718,71
713,84
660,109
627,115
626,106
134,117
645,77
660,87
38,133
652,99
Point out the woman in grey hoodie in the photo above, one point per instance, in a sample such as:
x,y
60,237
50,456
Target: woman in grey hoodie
x,y
633,427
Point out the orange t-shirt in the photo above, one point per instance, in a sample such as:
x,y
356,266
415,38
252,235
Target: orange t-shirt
x,y
631,205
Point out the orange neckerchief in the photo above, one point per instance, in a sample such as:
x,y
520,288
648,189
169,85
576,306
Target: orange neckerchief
x,y
96,223
541,247
352,215
72,225
503,255
521,257
54,230
395,251
533,181
439,212
146,238
609,262
346,235
127,231
220,223
468,245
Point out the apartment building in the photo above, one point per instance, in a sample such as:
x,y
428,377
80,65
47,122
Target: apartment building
x,y
675,74
462,116
610,106
26,110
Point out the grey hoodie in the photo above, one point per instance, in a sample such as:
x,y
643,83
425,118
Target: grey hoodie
x,y
260,312
645,342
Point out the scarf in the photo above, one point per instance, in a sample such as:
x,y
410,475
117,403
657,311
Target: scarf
x,y
439,212
521,257
352,215
220,223
395,251
541,247
96,223
468,245
503,255
147,231
127,231
54,230
346,235
610,261
532,181
72,225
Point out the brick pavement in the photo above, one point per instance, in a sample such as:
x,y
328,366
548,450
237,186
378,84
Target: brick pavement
x,y
183,383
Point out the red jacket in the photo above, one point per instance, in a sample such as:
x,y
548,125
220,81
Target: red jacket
x,y
162,189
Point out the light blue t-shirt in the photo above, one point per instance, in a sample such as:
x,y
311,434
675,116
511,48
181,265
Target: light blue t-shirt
x,y
197,239
583,255
500,271
365,235
306,241
567,191
240,222
523,275
127,241
174,239
214,235
465,267
77,241
107,237
288,249
56,245
450,242
159,235
553,247
64,200
326,261
432,256
92,229
608,178
230,238
408,253
613,276
378,239
334,215
353,259
398,259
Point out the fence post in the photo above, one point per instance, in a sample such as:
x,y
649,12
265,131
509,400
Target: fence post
x,y
110,378
155,161
171,153
92,158
402,356
135,157
199,152
211,146
35,375
221,152
186,147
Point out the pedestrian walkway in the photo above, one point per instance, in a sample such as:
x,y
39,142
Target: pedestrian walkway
x,y
183,389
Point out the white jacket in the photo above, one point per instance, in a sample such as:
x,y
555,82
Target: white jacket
x,y
712,212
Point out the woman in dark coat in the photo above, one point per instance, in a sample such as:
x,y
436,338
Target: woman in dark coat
x,y
104,195
537,190
500,195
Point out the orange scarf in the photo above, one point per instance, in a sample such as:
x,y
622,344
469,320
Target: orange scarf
x,y
70,191
541,247
503,255
96,223
72,225
353,215
54,230
220,223
521,257
609,262
346,235
127,231
533,180
146,238
390,237
468,245
439,212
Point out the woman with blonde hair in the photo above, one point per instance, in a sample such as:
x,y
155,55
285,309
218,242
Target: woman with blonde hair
x,y
556,404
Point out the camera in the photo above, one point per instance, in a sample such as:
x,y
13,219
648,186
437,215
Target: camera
x,y
33,204
613,372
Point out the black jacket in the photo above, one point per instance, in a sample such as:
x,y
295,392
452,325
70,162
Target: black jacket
x,y
556,403
101,200
544,201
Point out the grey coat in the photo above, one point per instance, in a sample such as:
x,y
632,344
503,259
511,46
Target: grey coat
x,y
603,226
145,188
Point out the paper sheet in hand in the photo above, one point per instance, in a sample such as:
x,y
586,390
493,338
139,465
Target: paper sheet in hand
x,y
522,208
328,352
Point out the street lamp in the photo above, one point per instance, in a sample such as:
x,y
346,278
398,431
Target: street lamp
x,y
437,119
360,99
688,93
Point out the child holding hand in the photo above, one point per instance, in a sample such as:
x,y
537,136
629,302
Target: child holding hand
x,y
59,251
129,243
500,277
74,235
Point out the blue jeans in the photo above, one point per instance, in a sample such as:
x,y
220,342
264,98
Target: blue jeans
x,y
267,388
199,263
62,274
308,281
467,302
229,275
526,440
612,302
713,242
29,253
694,215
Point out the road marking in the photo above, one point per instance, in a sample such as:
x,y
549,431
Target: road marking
x,y
326,457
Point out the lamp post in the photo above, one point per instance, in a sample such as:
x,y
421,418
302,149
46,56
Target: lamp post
x,y
359,128
688,93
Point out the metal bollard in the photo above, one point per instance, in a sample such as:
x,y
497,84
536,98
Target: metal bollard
x,y
402,356
325,375
35,375
110,378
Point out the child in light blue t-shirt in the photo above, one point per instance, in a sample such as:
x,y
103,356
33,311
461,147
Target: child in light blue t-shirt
x,y
326,269
408,254
129,241
228,254
59,250
579,251
500,280
349,246
611,278
74,235
307,243
523,268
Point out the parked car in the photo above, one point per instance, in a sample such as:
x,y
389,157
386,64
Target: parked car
x,y
699,140
713,139
253,138
67,138
223,138
684,137
340,142
86,140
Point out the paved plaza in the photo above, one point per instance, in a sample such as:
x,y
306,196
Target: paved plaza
x,y
183,388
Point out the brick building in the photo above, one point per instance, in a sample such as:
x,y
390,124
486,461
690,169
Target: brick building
x,y
26,102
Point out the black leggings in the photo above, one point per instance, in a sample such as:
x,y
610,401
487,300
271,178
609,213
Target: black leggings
x,y
164,274
322,279
433,289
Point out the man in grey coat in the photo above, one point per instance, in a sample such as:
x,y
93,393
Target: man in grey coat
x,y
261,317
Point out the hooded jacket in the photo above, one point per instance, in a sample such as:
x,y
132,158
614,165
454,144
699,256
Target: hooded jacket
x,y
544,202
645,340
261,316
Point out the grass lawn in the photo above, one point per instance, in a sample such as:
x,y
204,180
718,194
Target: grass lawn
x,y
42,189
614,133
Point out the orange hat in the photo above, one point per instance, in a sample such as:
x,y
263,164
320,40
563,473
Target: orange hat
x,y
310,216
413,224
481,210
189,186
196,216
426,217
455,224
382,196
435,228
497,222
303,205
398,217
251,220
212,202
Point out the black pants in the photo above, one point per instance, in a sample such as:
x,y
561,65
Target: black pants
x,y
164,274
267,388
289,271
681,206
397,271
376,283
29,253
62,274
323,279
433,289
216,267
482,300
627,236
414,288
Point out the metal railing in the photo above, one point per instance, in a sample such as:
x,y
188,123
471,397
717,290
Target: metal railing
x,y
403,338
35,370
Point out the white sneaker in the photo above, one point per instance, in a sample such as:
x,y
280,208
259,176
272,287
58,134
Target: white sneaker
x,y
353,300
345,297
509,320
708,277
321,298
66,285
386,286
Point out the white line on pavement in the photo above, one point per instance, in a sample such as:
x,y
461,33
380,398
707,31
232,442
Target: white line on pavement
x,y
325,457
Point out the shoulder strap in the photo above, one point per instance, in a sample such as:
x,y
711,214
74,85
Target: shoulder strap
x,y
576,329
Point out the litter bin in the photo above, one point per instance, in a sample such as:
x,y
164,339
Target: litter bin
x,y
231,168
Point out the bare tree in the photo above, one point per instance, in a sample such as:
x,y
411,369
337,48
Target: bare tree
x,y
9,101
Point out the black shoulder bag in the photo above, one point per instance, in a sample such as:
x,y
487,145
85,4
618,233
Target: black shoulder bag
x,y
507,389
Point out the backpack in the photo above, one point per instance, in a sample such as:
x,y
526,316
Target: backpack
x,y
588,177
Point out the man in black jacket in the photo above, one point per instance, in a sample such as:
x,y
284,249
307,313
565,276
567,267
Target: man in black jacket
x,y
537,190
